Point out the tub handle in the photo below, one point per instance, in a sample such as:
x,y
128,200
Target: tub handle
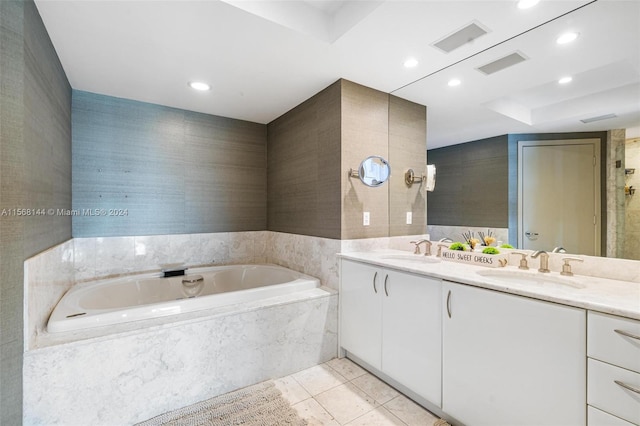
x,y
374,282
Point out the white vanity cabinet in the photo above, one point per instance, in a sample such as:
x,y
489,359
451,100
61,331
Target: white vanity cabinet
x,y
391,320
511,360
613,370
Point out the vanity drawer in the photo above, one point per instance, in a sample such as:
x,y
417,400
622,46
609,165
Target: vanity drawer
x,y
608,345
604,393
597,417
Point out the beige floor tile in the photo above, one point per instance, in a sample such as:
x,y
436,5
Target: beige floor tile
x,y
346,402
318,379
376,388
346,367
314,414
378,417
410,412
291,390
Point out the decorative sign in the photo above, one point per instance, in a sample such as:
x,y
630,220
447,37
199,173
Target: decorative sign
x,y
475,258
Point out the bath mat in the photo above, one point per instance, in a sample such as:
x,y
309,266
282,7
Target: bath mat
x,y
257,405
441,422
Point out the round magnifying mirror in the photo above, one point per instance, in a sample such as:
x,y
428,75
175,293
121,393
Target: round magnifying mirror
x,y
374,171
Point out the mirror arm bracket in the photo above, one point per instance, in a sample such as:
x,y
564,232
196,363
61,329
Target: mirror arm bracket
x,y
410,178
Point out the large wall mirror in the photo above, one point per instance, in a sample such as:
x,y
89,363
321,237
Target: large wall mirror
x,y
529,84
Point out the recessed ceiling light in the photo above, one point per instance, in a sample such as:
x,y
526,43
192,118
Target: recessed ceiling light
x,y
454,82
565,80
526,4
411,63
199,85
566,38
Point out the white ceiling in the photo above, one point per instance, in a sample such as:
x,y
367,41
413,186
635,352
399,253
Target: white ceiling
x,y
265,57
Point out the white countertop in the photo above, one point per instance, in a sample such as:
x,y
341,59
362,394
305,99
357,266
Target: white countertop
x,y
596,294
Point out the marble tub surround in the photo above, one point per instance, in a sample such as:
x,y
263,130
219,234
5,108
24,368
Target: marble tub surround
x,y
47,276
51,273
133,375
313,256
597,293
112,256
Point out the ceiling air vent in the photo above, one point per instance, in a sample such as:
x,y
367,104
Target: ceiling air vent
x,y
502,63
460,37
598,118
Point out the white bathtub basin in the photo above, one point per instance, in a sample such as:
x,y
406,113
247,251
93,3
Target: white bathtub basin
x,y
144,296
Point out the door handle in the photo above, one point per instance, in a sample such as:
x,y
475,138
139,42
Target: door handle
x,y
374,283
386,277
449,303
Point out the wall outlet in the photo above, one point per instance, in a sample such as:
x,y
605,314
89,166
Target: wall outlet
x,y
409,218
365,218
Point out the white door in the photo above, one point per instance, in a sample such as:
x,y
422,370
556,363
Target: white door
x,y
559,195
361,311
509,360
411,333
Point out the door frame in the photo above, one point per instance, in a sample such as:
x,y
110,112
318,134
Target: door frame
x,y
596,176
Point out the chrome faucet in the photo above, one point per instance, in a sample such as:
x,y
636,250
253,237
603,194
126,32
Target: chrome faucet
x,y
427,245
558,250
544,260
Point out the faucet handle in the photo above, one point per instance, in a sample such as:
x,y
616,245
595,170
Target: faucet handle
x,y
417,243
566,268
523,259
439,254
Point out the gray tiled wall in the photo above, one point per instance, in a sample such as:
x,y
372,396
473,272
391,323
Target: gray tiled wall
x,y
35,161
304,167
472,182
165,170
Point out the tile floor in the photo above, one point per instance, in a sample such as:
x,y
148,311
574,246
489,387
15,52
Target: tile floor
x,y
340,393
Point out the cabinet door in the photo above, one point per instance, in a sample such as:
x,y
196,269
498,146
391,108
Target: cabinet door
x,y
509,360
411,333
361,311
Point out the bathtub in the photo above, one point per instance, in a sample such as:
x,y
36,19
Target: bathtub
x,y
145,296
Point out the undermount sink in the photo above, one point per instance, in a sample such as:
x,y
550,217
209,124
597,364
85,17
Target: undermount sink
x,y
531,278
417,258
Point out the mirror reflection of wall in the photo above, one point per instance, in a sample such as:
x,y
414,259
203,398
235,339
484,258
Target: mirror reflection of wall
x,y
632,200
527,97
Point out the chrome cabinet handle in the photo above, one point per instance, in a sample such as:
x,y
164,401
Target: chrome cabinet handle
x,y
374,283
628,387
386,277
449,304
627,334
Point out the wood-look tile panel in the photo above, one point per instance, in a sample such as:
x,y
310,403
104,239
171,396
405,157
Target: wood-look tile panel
x,y
304,167
407,150
365,132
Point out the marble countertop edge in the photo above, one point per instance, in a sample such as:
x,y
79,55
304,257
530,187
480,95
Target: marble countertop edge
x,y
599,294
